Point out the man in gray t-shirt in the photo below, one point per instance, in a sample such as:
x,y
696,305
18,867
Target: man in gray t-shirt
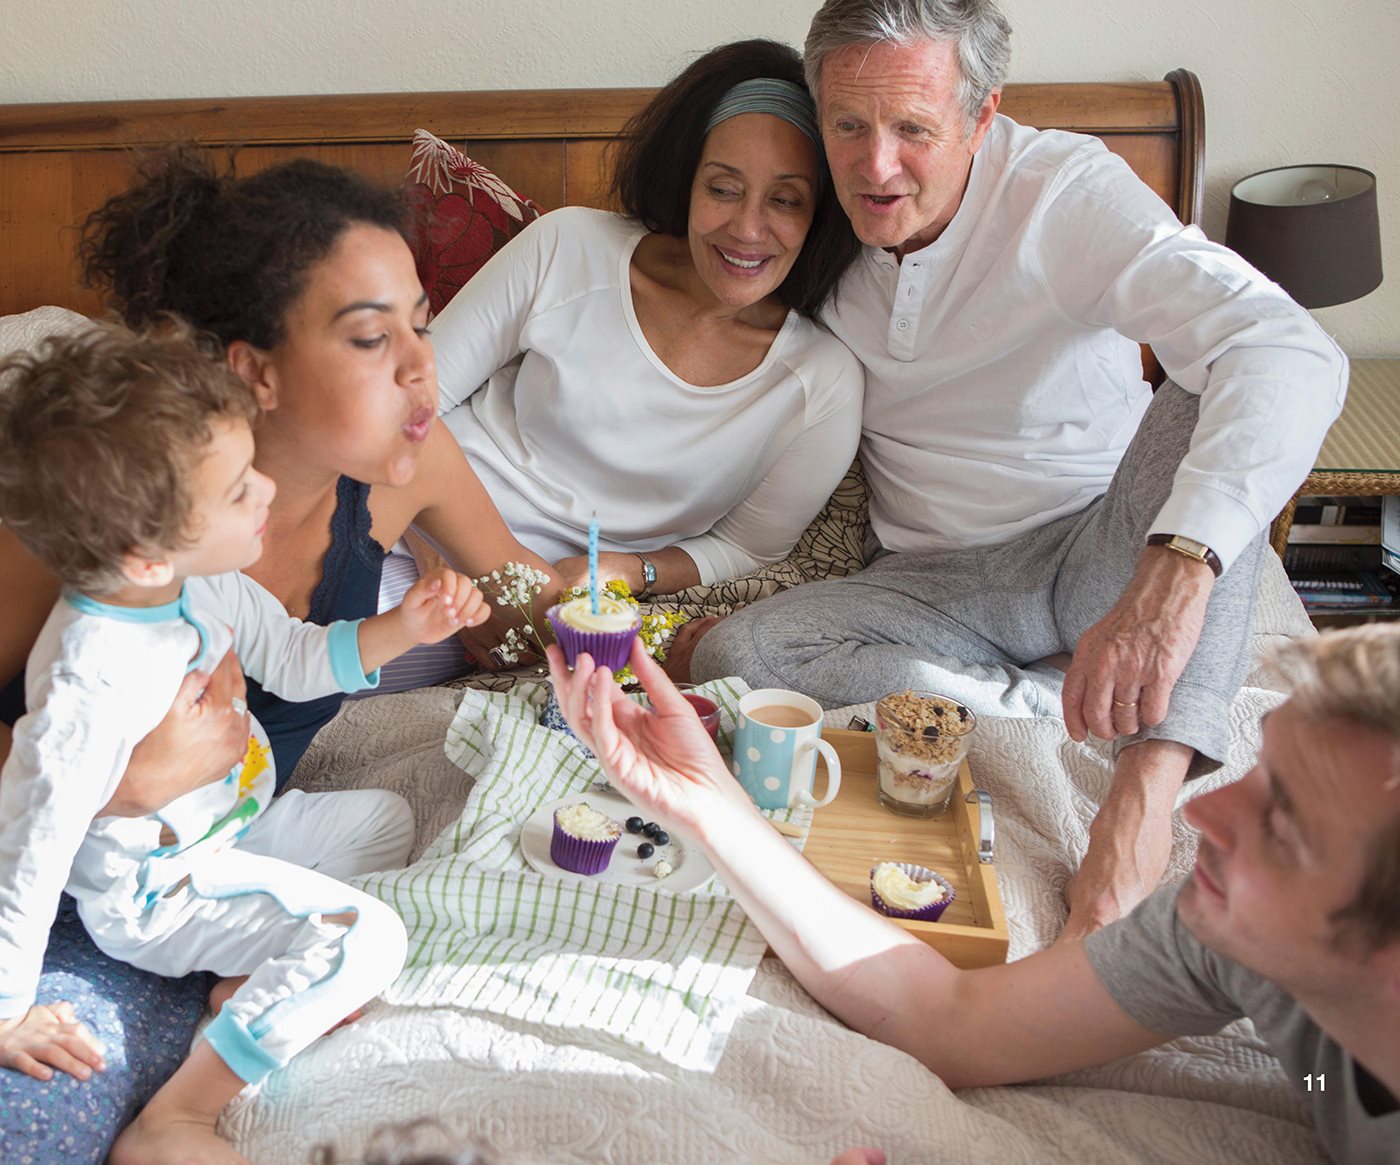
x,y
1167,980
1291,915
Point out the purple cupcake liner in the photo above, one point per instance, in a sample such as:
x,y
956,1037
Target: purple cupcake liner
x,y
580,855
609,649
929,913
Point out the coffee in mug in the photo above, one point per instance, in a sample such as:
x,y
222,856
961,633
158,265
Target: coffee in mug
x,y
775,750
780,716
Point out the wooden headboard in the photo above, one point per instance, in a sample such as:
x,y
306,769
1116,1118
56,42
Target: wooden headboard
x,y
60,161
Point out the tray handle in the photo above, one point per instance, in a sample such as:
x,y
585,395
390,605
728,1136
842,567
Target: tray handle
x,y
986,841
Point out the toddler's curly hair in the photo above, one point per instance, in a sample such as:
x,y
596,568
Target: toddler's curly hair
x,y
100,433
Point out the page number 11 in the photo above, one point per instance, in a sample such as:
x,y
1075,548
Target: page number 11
x,y
1320,1080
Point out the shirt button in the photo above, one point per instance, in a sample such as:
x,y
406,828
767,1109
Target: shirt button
x,y
902,325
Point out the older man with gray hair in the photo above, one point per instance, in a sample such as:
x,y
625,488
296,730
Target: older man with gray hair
x,y
1030,495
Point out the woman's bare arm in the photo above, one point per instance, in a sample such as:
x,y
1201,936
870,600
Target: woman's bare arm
x,y
675,570
447,502
200,739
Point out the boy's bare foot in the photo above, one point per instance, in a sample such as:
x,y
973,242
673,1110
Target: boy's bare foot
x,y
177,1126
152,1140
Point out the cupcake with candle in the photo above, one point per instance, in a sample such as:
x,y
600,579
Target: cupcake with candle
x,y
584,839
599,624
605,632
904,890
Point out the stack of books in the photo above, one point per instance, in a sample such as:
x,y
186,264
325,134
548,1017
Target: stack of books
x,y
1343,554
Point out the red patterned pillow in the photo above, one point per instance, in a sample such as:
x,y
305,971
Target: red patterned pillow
x,y
462,214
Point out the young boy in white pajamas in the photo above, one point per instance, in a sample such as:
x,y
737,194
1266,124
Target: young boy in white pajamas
x,y
126,468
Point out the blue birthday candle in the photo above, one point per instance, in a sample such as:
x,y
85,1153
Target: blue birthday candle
x,y
593,563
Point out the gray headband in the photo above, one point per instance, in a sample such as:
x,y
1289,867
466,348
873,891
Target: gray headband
x,y
770,95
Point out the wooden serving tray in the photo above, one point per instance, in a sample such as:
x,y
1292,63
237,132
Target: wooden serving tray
x,y
854,832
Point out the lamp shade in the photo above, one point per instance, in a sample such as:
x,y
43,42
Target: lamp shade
x,y
1314,230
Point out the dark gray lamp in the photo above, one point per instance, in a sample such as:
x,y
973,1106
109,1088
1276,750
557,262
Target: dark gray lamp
x,y
1314,230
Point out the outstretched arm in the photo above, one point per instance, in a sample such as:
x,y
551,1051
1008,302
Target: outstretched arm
x,y
1042,1015
438,605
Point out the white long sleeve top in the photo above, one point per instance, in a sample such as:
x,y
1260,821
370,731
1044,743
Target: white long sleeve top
x,y
564,410
99,678
1003,377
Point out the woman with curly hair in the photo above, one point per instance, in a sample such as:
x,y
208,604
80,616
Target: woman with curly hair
x,y
300,277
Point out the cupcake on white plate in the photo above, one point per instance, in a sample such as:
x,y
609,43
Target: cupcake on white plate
x,y
584,839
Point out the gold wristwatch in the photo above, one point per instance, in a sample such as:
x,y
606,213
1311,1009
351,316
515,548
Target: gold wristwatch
x,y
1189,547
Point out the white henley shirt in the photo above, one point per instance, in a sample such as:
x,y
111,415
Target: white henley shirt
x,y
1003,375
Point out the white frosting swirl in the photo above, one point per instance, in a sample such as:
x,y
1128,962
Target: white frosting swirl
x,y
613,614
582,820
901,891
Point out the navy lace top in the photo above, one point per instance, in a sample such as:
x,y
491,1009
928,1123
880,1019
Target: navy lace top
x,y
349,589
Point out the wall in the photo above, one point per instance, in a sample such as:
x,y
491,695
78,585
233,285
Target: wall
x,y
1285,81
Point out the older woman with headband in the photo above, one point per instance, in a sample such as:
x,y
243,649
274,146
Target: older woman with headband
x,y
660,368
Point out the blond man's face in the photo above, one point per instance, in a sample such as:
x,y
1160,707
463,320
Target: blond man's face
x,y
1284,848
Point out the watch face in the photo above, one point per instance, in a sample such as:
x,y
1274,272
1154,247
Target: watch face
x,y
1192,547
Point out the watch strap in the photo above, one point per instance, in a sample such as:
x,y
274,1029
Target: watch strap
x,y
648,574
1190,548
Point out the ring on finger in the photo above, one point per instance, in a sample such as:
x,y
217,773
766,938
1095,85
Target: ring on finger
x,y
240,706
1125,703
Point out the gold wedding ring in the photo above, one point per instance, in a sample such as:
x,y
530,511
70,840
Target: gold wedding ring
x,y
1125,703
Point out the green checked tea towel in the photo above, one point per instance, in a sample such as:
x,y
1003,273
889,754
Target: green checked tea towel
x,y
662,972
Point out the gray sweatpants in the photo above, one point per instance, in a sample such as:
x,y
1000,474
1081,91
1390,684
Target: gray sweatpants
x,y
970,623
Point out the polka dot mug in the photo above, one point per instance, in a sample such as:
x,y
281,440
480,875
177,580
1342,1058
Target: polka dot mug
x,y
775,750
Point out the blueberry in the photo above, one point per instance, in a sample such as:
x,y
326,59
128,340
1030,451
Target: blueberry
x,y
650,828
645,850
931,732
661,837
963,713
634,825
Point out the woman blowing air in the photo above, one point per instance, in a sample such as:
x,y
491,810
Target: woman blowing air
x,y
301,275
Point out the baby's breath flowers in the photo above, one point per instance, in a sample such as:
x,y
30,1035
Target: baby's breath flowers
x,y
516,586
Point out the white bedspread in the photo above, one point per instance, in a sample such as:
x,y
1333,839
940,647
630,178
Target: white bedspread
x,y
794,1086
